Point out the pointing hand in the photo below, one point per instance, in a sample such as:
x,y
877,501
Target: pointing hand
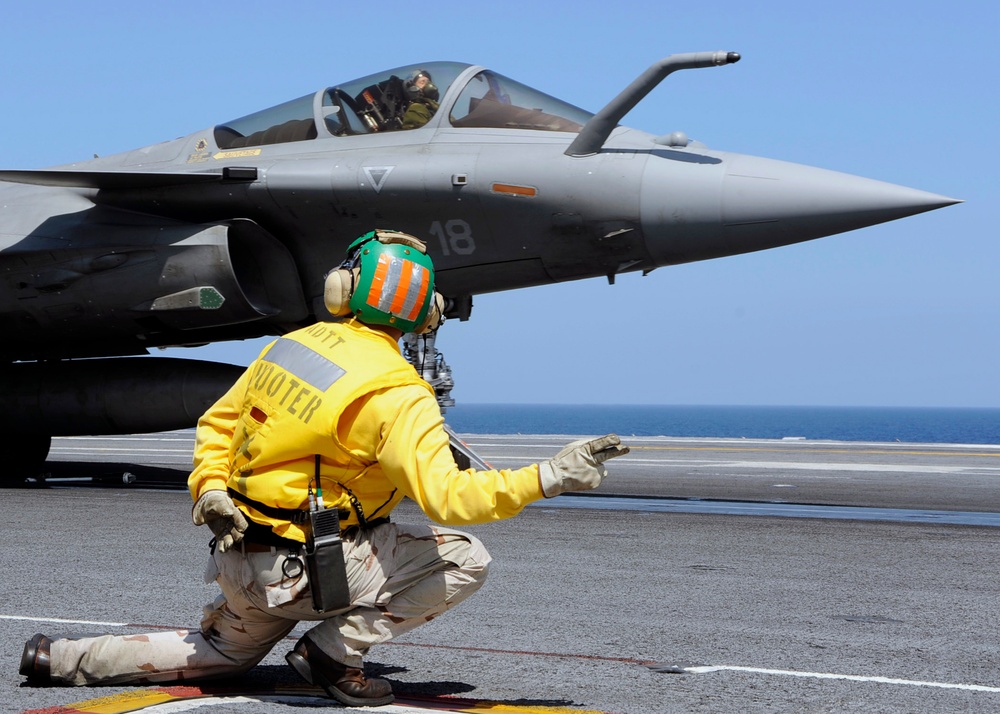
x,y
579,466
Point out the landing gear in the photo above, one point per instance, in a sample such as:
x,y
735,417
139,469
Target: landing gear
x,y
25,458
419,351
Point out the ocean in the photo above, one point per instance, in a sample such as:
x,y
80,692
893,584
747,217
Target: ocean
x,y
911,425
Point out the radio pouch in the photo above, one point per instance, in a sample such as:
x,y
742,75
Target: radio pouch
x,y
325,562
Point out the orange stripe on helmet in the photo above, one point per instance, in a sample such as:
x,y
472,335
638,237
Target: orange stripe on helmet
x,y
402,288
425,282
378,281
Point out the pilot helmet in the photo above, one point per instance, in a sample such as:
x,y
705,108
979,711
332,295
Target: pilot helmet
x,y
413,90
387,279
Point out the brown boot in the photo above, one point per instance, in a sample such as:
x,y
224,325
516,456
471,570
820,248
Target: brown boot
x,y
35,660
347,685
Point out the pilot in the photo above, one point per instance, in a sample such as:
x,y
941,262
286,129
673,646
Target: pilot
x,y
422,99
330,416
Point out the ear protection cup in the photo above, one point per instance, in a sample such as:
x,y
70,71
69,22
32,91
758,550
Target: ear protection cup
x,y
337,291
435,316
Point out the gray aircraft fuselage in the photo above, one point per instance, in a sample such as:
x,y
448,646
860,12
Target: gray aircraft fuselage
x,y
228,233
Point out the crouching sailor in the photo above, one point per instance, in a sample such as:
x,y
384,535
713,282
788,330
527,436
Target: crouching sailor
x,y
296,471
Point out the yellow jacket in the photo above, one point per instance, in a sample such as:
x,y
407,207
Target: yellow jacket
x,y
343,392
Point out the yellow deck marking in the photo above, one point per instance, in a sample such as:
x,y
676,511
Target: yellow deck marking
x,y
142,699
114,704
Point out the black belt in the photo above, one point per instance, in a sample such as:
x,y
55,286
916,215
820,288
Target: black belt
x,y
256,534
350,530
256,547
262,536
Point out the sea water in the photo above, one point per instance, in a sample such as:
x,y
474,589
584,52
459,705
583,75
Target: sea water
x,y
914,425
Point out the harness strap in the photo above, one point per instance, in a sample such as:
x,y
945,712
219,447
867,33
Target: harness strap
x,y
300,516
292,515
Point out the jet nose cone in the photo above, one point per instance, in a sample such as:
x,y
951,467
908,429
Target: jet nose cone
x,y
773,203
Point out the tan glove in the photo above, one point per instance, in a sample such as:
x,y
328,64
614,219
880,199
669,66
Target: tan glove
x,y
217,509
579,466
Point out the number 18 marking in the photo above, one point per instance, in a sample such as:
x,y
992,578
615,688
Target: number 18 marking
x,y
455,237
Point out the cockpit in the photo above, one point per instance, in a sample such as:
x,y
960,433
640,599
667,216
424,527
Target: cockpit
x,y
403,99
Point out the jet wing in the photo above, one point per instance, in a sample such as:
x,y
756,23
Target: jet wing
x,y
125,179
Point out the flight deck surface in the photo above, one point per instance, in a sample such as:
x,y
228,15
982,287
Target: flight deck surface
x,y
625,609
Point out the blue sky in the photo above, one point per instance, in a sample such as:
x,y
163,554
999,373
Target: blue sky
x,y
903,314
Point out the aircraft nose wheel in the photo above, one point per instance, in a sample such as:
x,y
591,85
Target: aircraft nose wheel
x,y
419,351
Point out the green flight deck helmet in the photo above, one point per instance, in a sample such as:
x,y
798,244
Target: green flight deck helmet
x,y
387,279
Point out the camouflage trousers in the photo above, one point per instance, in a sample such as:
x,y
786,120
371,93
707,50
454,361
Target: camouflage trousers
x,y
400,576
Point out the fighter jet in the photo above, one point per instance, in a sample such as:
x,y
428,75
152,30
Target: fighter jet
x,y
227,233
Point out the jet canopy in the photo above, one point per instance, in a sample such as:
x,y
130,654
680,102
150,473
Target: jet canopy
x,y
432,94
